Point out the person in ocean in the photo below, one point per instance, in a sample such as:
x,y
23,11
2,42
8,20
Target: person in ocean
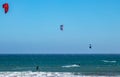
x,y
78,64
37,68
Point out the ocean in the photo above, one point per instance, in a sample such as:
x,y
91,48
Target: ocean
x,y
60,65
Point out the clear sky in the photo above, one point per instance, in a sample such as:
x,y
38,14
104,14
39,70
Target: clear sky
x,y
32,26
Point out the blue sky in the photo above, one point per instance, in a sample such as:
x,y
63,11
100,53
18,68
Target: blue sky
x,y
32,26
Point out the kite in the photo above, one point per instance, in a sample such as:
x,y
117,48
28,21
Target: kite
x,y
6,7
61,27
90,47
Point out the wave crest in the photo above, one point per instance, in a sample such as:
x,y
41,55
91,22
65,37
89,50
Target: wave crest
x,y
109,61
69,66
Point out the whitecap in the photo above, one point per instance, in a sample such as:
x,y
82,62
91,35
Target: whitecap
x,y
46,74
68,66
109,61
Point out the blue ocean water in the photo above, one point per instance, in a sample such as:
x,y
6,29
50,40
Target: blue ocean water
x,y
86,64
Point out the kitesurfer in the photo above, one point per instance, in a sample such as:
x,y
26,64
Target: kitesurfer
x,y
37,68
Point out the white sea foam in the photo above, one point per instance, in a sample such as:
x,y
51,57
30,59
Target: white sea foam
x,y
45,74
68,66
109,61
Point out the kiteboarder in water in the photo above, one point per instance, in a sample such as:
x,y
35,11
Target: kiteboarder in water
x,y
37,68
6,7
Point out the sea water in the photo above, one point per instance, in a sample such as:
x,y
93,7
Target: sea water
x,y
60,65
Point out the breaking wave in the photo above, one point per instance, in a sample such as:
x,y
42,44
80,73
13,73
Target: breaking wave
x,y
109,61
45,74
69,66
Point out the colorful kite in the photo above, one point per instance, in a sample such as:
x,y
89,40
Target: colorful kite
x,y
6,7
